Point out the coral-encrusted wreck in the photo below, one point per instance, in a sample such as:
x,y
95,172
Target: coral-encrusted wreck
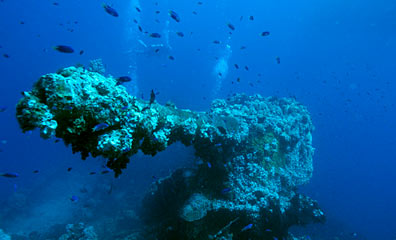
x,y
255,152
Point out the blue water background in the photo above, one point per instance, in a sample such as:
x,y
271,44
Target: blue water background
x,y
336,57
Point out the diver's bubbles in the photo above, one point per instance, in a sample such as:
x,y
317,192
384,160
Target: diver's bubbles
x,y
220,69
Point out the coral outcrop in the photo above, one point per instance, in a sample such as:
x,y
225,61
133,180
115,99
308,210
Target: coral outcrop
x,y
254,152
4,236
79,232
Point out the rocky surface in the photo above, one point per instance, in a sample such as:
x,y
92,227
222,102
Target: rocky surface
x,y
4,236
79,232
254,152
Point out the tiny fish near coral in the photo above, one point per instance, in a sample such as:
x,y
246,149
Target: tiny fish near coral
x,y
100,126
123,79
247,227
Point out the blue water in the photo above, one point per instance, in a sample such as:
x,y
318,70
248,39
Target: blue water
x,y
336,57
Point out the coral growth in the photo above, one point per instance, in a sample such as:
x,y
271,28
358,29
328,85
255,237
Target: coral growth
x,y
79,232
4,236
255,152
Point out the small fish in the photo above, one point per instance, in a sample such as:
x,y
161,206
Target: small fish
x,y
100,126
74,198
236,66
238,79
123,79
209,165
152,97
135,21
242,47
55,4
3,109
9,175
195,13
36,171
251,18
171,58
246,68
156,50
180,34
247,227
155,35
225,190
81,52
63,49
6,55
69,169
216,42
138,9
110,10
199,3
174,15
105,171
277,60
264,34
232,27
92,173
140,28
157,12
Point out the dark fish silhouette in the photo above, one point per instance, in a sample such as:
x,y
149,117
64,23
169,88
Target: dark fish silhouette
x,y
110,10
64,49
152,97
9,175
231,26
155,35
123,79
174,15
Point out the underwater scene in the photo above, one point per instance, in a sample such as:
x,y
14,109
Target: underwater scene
x,y
197,120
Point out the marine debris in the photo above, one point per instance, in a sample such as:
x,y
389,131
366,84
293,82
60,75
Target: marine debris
x,y
256,151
